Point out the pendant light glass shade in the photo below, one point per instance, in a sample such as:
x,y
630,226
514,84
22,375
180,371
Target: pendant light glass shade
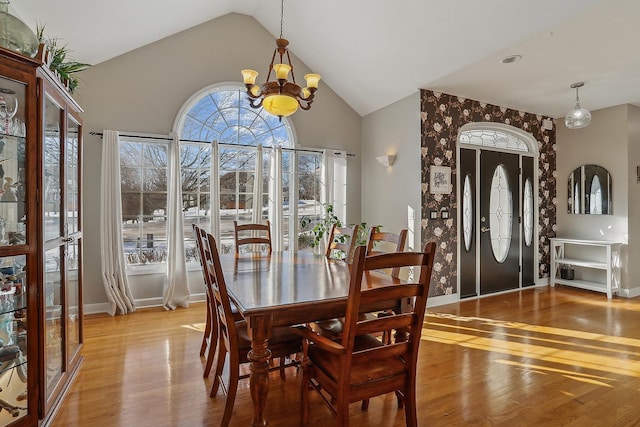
x,y
578,117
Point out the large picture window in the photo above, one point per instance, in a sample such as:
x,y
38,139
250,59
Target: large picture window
x,y
229,172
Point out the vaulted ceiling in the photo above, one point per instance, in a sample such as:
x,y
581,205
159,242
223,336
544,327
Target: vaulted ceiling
x,y
375,52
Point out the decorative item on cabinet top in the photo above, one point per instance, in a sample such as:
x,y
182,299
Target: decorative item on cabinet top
x,y
56,56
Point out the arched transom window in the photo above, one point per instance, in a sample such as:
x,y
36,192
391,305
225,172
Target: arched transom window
x,y
225,116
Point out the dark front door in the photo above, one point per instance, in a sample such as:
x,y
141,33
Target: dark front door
x,y
499,222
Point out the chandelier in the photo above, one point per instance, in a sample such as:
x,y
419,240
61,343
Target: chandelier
x,y
578,117
280,97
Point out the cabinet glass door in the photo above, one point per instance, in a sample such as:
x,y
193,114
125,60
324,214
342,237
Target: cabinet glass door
x,y
74,232
55,307
12,162
13,281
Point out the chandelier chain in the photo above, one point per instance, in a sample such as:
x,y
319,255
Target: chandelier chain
x,y
281,16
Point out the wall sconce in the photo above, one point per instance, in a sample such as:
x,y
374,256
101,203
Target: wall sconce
x,y
387,160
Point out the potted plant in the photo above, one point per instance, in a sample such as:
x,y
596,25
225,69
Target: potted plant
x,y
58,61
315,236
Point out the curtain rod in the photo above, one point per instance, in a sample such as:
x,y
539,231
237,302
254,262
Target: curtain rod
x,y
166,138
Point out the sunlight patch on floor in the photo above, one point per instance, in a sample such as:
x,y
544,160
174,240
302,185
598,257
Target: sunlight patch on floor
x,y
194,327
539,343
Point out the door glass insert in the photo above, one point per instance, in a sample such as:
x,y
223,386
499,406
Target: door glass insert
x,y
500,214
467,212
528,212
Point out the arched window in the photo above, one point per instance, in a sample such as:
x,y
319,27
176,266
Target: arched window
x,y
237,163
223,114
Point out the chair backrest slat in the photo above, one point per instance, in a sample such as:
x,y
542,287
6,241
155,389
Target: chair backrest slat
x,y
384,323
385,352
260,235
396,291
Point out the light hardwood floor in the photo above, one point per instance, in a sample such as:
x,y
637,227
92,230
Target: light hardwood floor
x,y
543,357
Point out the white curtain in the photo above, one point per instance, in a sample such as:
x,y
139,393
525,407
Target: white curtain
x,y
334,181
214,182
176,287
112,251
276,199
256,215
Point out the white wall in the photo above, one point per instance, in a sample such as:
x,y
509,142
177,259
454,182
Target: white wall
x,y
142,91
604,142
389,193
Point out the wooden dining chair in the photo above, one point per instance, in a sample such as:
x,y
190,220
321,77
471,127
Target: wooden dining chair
x,y
391,242
384,242
381,242
210,335
360,366
234,338
252,234
341,242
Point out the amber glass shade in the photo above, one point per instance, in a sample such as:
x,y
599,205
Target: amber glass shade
x,y
249,76
15,35
312,80
282,71
280,105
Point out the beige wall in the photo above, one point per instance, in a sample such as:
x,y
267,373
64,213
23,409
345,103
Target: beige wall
x,y
389,193
143,90
633,162
604,142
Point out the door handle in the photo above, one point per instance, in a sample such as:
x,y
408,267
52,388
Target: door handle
x,y
484,229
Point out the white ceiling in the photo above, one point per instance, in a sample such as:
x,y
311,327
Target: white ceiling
x,y
375,52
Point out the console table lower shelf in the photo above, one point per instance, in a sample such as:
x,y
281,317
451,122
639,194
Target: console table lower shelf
x,y
600,255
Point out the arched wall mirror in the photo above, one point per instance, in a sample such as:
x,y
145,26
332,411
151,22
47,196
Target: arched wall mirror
x,y
589,191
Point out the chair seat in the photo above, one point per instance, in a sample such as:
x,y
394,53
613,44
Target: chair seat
x,y
279,335
332,328
363,368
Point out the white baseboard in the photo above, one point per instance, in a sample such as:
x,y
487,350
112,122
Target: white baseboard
x,y
630,293
140,303
442,300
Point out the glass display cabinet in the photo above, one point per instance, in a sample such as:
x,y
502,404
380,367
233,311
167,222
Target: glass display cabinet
x,y
40,241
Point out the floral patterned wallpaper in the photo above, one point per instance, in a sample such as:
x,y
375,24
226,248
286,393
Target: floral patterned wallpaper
x,y
442,116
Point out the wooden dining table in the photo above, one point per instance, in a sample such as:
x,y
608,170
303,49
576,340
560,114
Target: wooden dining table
x,y
285,288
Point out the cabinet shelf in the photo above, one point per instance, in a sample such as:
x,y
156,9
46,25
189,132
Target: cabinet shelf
x,y
608,260
582,263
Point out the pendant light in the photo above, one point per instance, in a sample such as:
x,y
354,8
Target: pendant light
x,y
578,117
281,96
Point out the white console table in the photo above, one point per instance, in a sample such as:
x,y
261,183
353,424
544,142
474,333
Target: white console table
x,y
606,257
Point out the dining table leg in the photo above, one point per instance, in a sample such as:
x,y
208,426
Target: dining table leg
x,y
259,355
